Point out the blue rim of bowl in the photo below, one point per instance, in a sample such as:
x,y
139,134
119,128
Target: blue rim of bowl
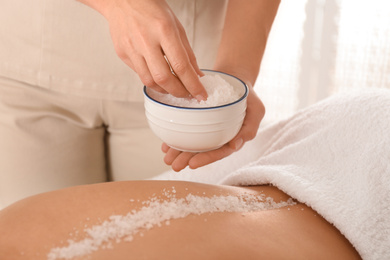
x,y
205,108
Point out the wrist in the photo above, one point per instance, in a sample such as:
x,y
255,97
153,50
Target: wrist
x,y
241,73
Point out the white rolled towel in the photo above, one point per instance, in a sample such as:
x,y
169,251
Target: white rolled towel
x,y
333,156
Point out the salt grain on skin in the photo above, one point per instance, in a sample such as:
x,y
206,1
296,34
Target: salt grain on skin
x,y
156,212
219,92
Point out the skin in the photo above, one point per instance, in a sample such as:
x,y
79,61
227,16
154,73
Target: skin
x,y
31,227
244,37
144,31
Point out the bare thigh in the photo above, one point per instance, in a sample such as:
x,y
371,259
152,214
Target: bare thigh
x,y
293,232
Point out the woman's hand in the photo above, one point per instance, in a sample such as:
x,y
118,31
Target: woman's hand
x,y
244,37
254,114
142,33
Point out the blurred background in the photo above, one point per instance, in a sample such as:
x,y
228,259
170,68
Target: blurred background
x,y
320,47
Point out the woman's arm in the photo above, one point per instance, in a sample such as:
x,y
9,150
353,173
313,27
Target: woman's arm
x,y
241,50
244,37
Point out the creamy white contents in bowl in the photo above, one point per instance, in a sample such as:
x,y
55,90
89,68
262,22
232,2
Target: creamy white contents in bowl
x,y
220,92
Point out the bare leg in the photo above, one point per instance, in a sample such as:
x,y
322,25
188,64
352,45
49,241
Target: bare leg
x,y
31,227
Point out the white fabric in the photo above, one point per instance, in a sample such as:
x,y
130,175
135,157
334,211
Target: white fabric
x,y
66,46
333,156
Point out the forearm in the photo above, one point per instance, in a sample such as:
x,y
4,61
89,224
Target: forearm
x,y
244,37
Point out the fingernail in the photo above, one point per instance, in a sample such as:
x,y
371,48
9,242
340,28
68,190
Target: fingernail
x,y
200,98
238,143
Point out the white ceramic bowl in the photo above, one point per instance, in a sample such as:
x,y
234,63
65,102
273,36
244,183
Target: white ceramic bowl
x,y
197,129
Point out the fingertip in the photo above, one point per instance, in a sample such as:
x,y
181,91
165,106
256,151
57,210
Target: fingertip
x,y
167,161
164,147
236,143
199,72
199,160
176,169
197,90
177,166
193,166
170,156
201,98
202,95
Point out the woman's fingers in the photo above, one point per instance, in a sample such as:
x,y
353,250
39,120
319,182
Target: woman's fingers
x,y
165,148
190,52
181,65
143,32
182,161
161,74
183,62
171,155
140,67
254,114
177,159
202,159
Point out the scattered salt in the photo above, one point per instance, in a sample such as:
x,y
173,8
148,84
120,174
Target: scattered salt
x,y
219,91
154,213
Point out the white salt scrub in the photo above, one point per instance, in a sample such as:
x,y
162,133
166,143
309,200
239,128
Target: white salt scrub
x,y
157,212
219,91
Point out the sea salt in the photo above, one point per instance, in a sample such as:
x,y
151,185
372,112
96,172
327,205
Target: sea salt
x,y
155,213
219,91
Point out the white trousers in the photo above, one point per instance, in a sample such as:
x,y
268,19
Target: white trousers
x,y
50,140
